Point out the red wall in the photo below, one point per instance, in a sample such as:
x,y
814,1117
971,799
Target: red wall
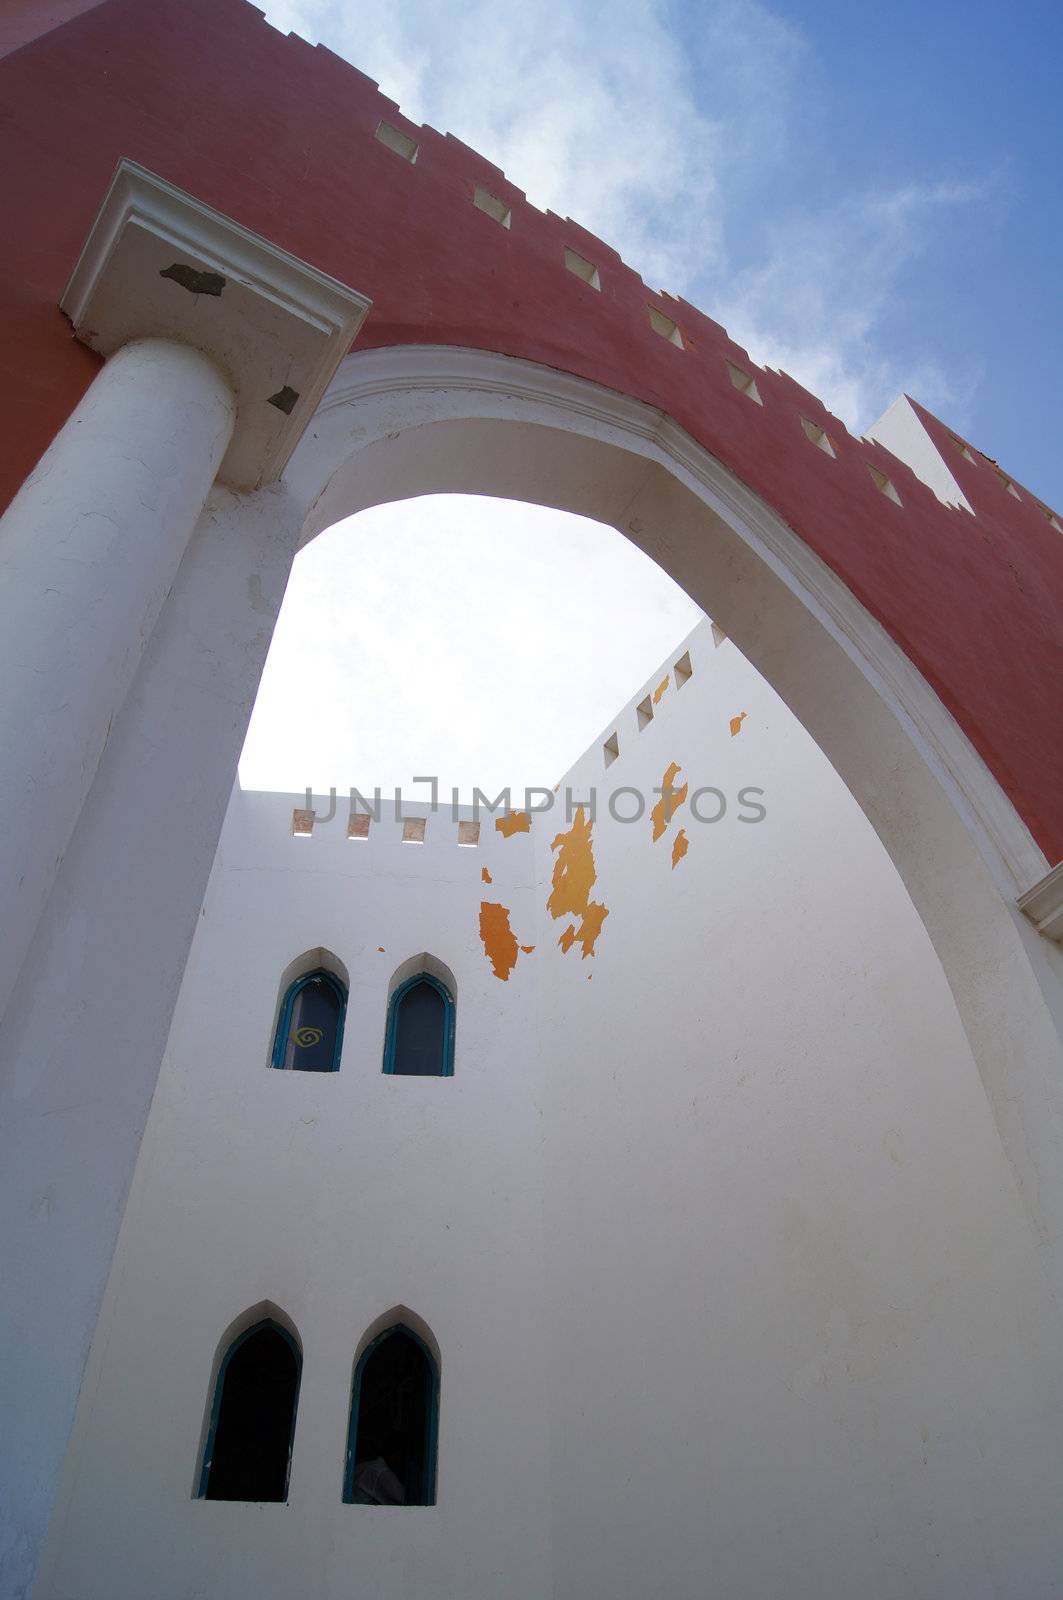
x,y
279,135
23,20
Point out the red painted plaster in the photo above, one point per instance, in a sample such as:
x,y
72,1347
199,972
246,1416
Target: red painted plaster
x,y
279,135
22,21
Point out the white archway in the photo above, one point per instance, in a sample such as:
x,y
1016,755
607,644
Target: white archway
x,y
396,424
400,423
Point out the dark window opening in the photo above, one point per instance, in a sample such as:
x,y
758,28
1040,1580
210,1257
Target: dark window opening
x,y
250,1439
392,1444
310,1030
420,1035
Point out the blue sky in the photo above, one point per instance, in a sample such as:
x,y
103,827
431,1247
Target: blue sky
x,y
967,98
866,195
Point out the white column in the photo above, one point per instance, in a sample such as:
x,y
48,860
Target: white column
x,y
86,1026
89,549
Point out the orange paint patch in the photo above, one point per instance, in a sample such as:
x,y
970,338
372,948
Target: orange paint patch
x,y
380,948
661,687
736,722
499,944
669,803
591,927
515,822
573,879
527,948
680,847
485,876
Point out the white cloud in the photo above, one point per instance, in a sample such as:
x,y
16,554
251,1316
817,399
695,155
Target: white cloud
x,y
600,111
588,108
814,305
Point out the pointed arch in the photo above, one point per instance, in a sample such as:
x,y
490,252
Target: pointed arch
x,y
310,1014
421,1019
252,1405
393,1429
442,419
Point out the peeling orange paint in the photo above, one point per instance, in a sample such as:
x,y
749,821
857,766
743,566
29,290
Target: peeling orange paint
x,y
736,722
680,847
500,945
591,927
661,687
380,948
574,878
669,803
485,875
527,948
515,822
574,874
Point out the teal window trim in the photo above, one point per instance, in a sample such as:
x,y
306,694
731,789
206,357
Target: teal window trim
x,y
215,1408
391,1035
431,1424
284,1023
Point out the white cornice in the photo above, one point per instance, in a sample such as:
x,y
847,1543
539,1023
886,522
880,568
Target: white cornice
x,y
1043,904
275,325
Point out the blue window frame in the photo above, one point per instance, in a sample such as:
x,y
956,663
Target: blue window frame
x,y
248,1453
393,1434
419,1041
309,1033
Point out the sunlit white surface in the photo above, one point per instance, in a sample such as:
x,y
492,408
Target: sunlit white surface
x,y
480,641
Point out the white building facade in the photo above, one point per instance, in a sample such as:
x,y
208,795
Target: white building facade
x,y
710,1236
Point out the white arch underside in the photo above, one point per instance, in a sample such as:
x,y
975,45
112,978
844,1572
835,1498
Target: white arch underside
x,y
417,421
426,420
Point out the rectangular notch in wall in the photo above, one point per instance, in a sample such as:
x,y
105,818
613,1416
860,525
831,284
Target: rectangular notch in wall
x,y
665,327
644,713
358,825
611,748
884,485
744,382
582,268
413,830
398,141
683,670
489,203
468,834
819,437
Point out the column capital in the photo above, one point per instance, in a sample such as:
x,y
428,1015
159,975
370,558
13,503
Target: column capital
x,y
158,263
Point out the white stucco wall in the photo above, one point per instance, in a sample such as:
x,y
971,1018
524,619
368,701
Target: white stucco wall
x,y
900,429
731,1285
336,1197
800,1345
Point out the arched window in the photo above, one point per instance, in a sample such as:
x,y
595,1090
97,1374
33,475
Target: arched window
x,y
420,1032
310,1027
391,1443
249,1441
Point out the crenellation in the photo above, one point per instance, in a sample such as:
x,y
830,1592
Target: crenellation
x,y
702,338
444,158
